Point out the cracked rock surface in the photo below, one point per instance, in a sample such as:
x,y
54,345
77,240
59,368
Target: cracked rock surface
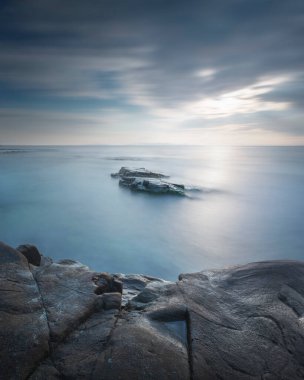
x,y
64,321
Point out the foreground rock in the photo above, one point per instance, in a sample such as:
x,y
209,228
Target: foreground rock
x,y
63,321
24,332
147,181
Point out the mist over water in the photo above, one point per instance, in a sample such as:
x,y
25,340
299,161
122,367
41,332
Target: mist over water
x,y
248,206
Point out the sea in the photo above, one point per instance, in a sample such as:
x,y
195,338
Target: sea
x,y
242,204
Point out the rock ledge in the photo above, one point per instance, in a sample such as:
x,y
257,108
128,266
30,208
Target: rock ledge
x,y
63,321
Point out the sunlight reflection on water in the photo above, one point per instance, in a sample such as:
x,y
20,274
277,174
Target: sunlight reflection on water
x,y
64,201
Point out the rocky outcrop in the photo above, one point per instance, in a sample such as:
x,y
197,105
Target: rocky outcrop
x,y
156,186
24,332
63,321
137,173
147,181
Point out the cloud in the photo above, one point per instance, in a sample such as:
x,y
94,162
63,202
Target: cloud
x,y
244,100
176,61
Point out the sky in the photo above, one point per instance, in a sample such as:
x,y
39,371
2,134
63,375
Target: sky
x,y
218,72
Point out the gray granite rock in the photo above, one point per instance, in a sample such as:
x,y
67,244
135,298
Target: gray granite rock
x,y
24,333
71,293
78,356
67,322
240,326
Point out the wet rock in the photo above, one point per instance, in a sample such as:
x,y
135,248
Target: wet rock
x,y
152,186
31,253
147,181
141,172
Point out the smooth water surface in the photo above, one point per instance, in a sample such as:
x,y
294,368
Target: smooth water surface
x,y
63,200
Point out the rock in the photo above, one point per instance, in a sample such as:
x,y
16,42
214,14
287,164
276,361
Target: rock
x,y
82,350
133,284
111,301
141,172
107,283
240,328
24,333
156,186
116,286
68,294
31,253
147,181
142,349
243,323
45,260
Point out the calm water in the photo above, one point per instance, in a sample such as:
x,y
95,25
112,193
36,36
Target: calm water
x,y
64,201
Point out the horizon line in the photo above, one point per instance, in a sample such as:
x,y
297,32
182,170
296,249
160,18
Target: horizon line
x,y
151,144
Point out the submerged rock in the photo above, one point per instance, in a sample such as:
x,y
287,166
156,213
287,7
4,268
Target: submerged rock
x,y
152,186
147,181
140,172
63,321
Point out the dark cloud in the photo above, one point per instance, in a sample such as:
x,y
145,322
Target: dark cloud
x,y
157,54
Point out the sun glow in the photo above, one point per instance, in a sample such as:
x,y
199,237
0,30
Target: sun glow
x,y
244,100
